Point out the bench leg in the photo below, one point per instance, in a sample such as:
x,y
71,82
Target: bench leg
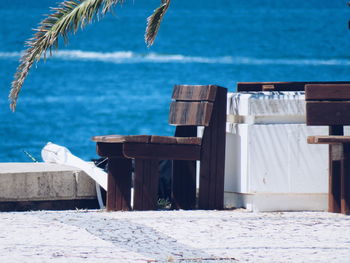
x,y
212,163
146,184
211,189
335,164
334,186
184,185
345,181
119,184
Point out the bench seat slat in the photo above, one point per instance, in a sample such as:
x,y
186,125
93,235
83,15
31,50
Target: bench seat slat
x,y
327,92
328,139
122,138
147,139
175,140
190,113
194,93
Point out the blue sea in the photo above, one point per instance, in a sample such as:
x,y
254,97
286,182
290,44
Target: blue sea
x,y
106,81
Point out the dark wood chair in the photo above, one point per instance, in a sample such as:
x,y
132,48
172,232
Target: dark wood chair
x,y
330,105
192,106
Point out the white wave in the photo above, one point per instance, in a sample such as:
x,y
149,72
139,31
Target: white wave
x,y
125,57
4,55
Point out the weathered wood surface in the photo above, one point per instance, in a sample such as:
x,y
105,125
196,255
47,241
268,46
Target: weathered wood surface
x,y
109,149
122,138
147,139
327,92
190,113
176,140
330,105
334,174
328,113
194,93
339,180
162,151
212,165
146,184
184,184
184,175
345,181
281,86
119,184
328,139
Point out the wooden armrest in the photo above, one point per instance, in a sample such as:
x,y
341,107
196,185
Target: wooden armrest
x,y
328,139
122,138
176,140
147,139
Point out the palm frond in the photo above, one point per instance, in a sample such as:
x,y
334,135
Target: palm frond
x,y
68,17
153,22
108,4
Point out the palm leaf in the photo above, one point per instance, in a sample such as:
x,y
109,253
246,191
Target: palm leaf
x,y
153,22
68,17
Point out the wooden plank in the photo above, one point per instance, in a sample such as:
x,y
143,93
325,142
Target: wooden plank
x,y
327,92
138,183
194,92
189,140
334,199
213,160
211,189
153,184
146,184
184,185
175,140
281,86
204,176
345,181
190,113
162,152
119,184
328,113
335,156
220,164
111,193
184,175
328,139
122,138
186,132
109,149
163,139
336,130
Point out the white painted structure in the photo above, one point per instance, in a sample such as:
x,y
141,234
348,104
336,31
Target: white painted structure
x,y
269,165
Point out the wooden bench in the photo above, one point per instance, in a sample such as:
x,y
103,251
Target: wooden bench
x,y
329,104
192,106
281,86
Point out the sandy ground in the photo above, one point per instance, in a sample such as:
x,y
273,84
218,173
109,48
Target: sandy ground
x,y
174,236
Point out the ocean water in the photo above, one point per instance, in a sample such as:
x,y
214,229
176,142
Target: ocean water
x,y
106,81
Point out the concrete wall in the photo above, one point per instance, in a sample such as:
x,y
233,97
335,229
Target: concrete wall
x,y
43,182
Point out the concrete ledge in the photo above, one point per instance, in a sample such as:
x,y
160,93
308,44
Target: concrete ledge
x,y
42,182
269,202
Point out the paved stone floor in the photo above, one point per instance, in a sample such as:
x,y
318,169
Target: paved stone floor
x,y
174,236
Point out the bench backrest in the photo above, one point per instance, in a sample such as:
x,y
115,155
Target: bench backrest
x,y
192,106
327,104
201,106
198,105
281,86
